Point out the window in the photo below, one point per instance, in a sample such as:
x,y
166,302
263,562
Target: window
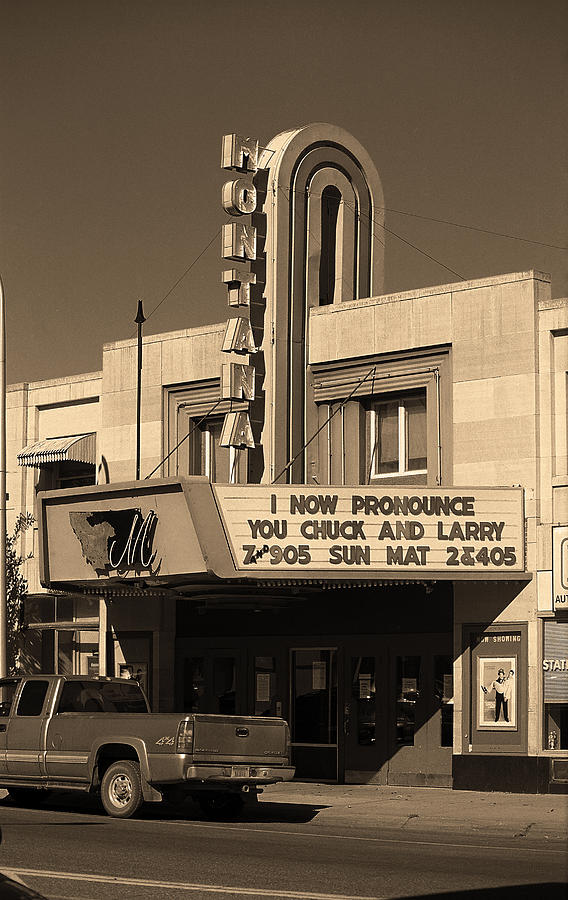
x,y
407,696
330,201
208,458
75,474
32,697
93,697
555,685
398,439
8,688
66,474
363,698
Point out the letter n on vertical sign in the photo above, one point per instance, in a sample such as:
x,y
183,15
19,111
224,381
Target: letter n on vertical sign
x,y
238,241
237,382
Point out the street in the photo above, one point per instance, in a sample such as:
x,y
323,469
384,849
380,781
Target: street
x,y
67,848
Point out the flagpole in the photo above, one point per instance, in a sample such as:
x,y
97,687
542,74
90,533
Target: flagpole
x,y
139,322
3,597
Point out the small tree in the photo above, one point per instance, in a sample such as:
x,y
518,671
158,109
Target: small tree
x,y
16,589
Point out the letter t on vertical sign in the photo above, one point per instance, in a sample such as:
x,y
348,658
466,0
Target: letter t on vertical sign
x,y
238,283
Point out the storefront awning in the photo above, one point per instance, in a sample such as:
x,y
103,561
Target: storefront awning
x,y
74,448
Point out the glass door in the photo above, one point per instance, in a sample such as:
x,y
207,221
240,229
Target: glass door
x,y
364,713
313,708
421,704
214,682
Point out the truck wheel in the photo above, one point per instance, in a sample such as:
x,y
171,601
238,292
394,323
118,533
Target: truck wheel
x,y
222,805
121,789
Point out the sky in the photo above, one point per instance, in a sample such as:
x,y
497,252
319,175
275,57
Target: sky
x,y
113,113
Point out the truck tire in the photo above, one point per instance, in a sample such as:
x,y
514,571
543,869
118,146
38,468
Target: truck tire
x,y
121,789
220,805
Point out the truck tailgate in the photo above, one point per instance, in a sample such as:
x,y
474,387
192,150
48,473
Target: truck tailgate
x,y
240,738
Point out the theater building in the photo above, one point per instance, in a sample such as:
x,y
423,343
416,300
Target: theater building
x,y
353,507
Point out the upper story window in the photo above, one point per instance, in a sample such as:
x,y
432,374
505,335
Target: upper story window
x,y
330,202
66,474
398,436
207,457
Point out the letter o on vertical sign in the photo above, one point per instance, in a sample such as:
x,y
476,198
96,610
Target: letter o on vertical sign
x,y
239,197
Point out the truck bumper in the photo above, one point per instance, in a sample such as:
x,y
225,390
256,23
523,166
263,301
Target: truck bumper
x,y
239,774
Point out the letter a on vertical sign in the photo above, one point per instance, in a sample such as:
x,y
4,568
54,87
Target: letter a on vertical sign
x,y
238,336
236,431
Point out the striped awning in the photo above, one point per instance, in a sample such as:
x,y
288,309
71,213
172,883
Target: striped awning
x,y
74,448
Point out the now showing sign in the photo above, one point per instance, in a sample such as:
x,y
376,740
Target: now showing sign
x,y
366,529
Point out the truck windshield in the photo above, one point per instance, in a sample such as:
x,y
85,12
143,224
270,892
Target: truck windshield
x,y
7,690
102,696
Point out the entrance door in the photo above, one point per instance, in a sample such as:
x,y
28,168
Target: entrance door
x,y
214,682
365,714
313,712
420,682
398,710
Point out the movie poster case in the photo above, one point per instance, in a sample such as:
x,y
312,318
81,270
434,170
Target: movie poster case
x,y
497,707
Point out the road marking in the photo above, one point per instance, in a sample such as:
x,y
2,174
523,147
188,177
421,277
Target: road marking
x,y
349,837
183,886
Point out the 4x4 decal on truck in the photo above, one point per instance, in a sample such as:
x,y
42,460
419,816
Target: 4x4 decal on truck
x,y
166,739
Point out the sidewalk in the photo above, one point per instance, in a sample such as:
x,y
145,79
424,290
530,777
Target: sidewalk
x,y
408,809
417,809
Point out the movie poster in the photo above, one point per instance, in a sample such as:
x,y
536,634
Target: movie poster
x,y
497,694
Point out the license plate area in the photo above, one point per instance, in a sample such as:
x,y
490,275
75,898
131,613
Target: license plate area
x,y
241,771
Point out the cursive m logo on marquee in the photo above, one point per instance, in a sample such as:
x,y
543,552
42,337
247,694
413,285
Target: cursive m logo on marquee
x,y
137,549
118,539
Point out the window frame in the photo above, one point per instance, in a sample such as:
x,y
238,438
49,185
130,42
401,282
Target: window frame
x,y
402,426
204,453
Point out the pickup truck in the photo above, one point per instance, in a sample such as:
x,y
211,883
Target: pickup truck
x,y
97,734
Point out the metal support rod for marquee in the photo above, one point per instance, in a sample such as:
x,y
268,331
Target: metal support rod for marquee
x,y
3,596
140,319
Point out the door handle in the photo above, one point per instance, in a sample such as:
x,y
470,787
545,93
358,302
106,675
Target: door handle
x,y
2,727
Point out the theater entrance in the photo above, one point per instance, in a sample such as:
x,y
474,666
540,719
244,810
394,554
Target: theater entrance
x,y
398,710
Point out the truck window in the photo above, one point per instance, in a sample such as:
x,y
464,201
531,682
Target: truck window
x,y
7,690
32,698
126,697
102,696
70,700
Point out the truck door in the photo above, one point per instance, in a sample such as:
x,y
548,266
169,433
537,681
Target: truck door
x,y
8,687
27,728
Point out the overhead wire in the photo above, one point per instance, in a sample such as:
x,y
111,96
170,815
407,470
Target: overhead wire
x,y
182,276
358,214
329,418
185,437
512,237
